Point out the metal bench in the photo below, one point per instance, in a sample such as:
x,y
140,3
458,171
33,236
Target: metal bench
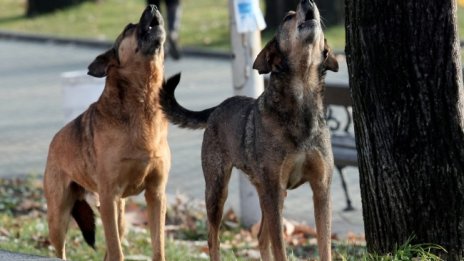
x,y
343,141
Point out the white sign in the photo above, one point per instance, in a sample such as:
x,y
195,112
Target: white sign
x,y
248,16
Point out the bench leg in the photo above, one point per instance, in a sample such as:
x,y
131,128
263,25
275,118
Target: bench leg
x,y
349,207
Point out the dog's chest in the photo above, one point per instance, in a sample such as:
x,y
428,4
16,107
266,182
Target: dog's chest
x,y
134,174
304,166
296,171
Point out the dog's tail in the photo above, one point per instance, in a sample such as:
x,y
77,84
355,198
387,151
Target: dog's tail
x,y
85,219
177,114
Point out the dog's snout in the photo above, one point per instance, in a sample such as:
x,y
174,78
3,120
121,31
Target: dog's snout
x,y
307,3
153,8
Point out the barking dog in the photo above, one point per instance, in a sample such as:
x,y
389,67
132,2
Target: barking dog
x,y
117,147
280,140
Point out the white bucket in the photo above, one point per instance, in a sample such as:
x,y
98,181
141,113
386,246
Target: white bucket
x,y
79,91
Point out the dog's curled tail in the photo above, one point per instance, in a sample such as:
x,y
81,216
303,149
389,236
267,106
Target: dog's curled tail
x,y
85,219
177,114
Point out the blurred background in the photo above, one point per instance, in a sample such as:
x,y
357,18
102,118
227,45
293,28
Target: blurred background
x,y
204,23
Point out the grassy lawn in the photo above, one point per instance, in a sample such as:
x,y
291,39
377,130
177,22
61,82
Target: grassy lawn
x,y
23,229
28,234
204,23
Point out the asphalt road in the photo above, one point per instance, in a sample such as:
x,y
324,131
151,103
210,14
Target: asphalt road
x,y
32,111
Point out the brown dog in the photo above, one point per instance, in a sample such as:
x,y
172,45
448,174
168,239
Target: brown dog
x,y
280,140
117,147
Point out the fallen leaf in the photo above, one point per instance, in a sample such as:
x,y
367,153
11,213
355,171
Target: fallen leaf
x,y
4,232
305,229
255,230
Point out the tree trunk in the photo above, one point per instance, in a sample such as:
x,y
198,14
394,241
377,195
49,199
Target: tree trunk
x,y
404,65
38,7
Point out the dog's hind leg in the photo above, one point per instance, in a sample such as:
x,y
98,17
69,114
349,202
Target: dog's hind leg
x,y
217,175
60,197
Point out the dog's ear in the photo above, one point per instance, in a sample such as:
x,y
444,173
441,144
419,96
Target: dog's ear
x,y
99,66
330,62
269,59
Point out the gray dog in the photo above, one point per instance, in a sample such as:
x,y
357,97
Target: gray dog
x,y
280,140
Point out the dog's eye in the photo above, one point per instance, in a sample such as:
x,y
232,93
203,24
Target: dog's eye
x,y
325,53
288,17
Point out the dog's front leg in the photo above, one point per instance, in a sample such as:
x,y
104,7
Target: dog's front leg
x,y
121,218
271,197
320,183
156,206
263,238
109,216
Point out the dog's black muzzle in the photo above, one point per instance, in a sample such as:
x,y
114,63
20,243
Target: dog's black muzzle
x,y
150,32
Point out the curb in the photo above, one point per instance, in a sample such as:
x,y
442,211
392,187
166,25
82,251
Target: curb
x,y
11,256
102,44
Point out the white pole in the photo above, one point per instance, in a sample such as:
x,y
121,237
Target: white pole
x,y
247,82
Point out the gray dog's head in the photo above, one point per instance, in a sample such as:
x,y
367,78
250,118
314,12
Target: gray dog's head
x,y
298,44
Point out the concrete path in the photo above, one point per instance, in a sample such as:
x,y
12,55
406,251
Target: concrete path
x,y
31,112
10,256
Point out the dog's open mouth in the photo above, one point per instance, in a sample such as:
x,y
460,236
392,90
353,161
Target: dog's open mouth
x,y
309,16
309,21
150,33
150,19
154,22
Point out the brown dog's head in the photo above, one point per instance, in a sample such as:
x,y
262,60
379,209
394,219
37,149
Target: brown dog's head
x,y
298,45
137,44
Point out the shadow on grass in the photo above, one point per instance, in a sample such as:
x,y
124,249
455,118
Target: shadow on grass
x,y
5,20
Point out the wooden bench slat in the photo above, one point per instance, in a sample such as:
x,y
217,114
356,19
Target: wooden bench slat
x,y
346,141
345,157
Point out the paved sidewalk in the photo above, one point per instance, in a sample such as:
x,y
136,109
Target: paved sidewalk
x,y
31,111
9,256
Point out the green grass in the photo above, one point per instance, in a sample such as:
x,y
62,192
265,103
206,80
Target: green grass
x,y
28,234
408,251
204,23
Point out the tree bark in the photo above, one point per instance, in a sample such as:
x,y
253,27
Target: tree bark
x,y
405,79
38,7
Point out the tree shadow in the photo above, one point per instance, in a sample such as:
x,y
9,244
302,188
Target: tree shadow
x,y
4,20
